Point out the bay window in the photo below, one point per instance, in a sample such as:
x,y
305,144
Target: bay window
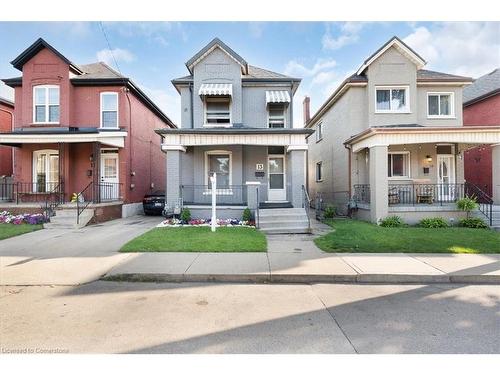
x,y
218,111
398,164
46,104
109,110
440,104
391,99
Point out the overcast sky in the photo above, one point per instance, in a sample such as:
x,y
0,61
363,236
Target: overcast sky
x,y
322,54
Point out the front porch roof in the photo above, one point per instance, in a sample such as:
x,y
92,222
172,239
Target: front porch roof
x,y
16,138
418,135
178,139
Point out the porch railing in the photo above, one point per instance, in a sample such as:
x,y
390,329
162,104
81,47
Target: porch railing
x,y
362,193
232,195
484,201
418,193
306,203
101,192
30,192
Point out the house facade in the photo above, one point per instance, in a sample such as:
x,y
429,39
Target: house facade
x,y
6,122
81,129
237,122
481,107
391,141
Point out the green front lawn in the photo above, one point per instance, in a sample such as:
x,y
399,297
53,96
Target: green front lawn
x,y
361,237
198,239
11,230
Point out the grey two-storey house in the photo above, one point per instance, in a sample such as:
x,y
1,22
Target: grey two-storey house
x,y
237,122
390,140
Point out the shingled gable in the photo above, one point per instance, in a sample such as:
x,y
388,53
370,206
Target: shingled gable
x,y
36,47
216,43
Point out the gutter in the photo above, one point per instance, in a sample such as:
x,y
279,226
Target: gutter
x,y
191,88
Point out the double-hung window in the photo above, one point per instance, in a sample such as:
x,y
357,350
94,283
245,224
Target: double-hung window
x,y
392,99
319,132
109,110
46,104
398,164
440,104
218,111
276,115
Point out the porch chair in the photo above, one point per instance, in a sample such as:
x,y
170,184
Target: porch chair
x,y
394,196
425,194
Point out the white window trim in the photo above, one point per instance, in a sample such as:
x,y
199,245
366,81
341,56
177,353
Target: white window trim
x,y
35,155
47,104
408,166
219,152
269,115
206,124
319,163
117,110
407,109
452,109
319,134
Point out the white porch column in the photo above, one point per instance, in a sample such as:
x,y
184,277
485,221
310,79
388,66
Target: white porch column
x,y
495,172
379,201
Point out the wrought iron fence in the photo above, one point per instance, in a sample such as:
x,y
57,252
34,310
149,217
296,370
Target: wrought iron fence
x,y
31,192
306,203
232,195
338,200
362,193
418,193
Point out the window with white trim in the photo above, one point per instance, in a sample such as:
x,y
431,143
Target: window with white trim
x,y
46,104
109,110
45,170
391,99
319,132
440,104
276,115
319,171
218,111
219,162
398,164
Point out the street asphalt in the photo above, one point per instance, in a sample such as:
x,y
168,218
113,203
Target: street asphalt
x,y
113,317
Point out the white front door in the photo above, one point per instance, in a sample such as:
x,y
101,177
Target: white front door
x,y
277,177
446,177
109,186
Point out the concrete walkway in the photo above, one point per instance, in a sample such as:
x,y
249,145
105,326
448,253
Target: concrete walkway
x,y
72,257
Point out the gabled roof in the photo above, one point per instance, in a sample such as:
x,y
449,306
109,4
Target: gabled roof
x,y
6,102
216,43
401,46
482,88
432,76
36,47
98,70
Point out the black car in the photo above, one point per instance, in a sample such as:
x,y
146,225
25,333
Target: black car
x,y
154,203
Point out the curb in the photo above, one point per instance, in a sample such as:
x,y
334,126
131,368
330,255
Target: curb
x,y
307,279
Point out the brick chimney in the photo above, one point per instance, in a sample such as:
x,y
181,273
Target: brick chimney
x,y
306,109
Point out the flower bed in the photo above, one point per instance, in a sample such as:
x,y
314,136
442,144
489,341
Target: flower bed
x,y
32,219
206,222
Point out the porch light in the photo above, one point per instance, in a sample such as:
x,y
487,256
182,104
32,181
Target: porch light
x,y
428,159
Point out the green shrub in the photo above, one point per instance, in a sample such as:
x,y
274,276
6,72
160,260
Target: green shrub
x,y
247,215
185,215
433,222
472,222
329,212
392,222
467,204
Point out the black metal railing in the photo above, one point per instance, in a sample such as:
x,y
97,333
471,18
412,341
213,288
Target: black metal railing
x,y
361,193
30,192
418,193
484,201
53,199
83,201
306,204
257,212
232,195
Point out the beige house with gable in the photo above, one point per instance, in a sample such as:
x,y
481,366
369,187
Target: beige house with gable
x,y
390,141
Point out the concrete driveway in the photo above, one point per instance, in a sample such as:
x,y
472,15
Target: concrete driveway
x,y
68,256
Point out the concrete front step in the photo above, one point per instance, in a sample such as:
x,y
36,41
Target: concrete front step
x,y
289,222
281,211
286,230
66,219
284,221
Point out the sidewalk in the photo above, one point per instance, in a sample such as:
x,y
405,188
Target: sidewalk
x,y
295,258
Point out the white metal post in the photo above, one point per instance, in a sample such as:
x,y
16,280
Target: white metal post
x,y
213,180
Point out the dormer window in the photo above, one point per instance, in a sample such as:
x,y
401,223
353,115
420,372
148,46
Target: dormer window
x,y
46,104
276,117
392,99
217,111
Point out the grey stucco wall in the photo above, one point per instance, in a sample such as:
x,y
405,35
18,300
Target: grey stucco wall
x,y
255,113
422,106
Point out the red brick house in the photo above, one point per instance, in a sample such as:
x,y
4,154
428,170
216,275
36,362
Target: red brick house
x,y
81,129
481,108
6,120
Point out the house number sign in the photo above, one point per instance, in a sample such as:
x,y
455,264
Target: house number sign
x,y
259,167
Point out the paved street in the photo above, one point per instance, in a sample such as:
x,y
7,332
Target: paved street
x,y
104,317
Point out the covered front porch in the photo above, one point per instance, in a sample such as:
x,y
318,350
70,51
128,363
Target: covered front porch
x,y
416,172
254,168
56,168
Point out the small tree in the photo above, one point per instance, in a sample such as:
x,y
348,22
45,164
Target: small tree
x,y
247,215
185,215
467,204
